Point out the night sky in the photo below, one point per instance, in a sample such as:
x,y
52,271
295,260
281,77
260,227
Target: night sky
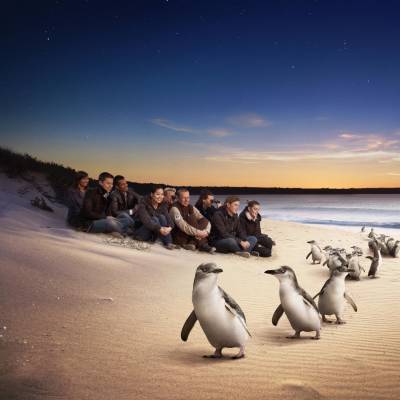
x,y
245,93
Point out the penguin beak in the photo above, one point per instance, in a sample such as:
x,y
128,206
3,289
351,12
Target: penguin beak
x,y
271,271
217,270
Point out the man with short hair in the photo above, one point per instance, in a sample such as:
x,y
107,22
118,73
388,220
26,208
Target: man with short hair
x,y
169,196
123,200
228,236
191,228
95,208
205,204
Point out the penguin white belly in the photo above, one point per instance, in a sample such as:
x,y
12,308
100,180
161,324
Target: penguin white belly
x,y
332,300
316,254
301,316
221,327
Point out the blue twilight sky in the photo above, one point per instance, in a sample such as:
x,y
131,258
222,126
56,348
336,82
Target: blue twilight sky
x,y
265,93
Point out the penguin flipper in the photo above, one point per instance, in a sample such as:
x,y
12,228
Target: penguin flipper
x,y
350,301
308,255
188,325
232,303
277,315
234,308
308,299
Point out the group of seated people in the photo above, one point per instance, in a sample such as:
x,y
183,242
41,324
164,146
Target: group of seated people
x,y
167,215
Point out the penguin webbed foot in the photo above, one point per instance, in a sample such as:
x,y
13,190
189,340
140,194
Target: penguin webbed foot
x,y
239,355
317,336
296,335
340,322
216,354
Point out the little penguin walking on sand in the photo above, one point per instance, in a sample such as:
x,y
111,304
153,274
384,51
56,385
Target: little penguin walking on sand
x,y
220,317
376,260
296,303
333,294
316,252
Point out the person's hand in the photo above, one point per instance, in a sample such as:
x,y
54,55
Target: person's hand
x,y
165,230
201,234
245,244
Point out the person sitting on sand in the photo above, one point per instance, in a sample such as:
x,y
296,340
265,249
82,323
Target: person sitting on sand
x,y
227,234
123,200
191,228
95,208
169,196
154,220
250,220
205,204
74,198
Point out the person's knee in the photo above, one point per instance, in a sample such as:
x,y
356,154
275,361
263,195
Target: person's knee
x,y
252,240
231,245
263,251
266,241
113,225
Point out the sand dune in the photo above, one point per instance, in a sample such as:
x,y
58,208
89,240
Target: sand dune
x,y
80,319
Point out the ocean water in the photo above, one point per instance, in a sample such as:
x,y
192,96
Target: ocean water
x,y
348,211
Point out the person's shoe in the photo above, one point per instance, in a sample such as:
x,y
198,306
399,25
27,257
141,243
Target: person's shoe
x,y
190,247
207,249
244,254
171,246
255,253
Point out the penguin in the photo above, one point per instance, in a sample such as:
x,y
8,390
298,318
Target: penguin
x,y
296,303
316,252
354,266
335,259
363,229
332,296
220,317
372,234
376,260
395,252
383,246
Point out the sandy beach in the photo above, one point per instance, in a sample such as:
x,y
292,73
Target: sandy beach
x,y
82,319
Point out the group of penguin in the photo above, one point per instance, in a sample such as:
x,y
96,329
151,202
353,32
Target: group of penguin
x,y
224,323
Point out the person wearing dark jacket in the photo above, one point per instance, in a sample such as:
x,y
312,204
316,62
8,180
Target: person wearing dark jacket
x,y
205,204
123,200
227,235
154,221
95,208
250,220
74,198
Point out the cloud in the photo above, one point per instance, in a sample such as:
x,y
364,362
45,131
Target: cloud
x,y
393,173
219,132
348,147
350,136
259,157
215,132
171,125
248,120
